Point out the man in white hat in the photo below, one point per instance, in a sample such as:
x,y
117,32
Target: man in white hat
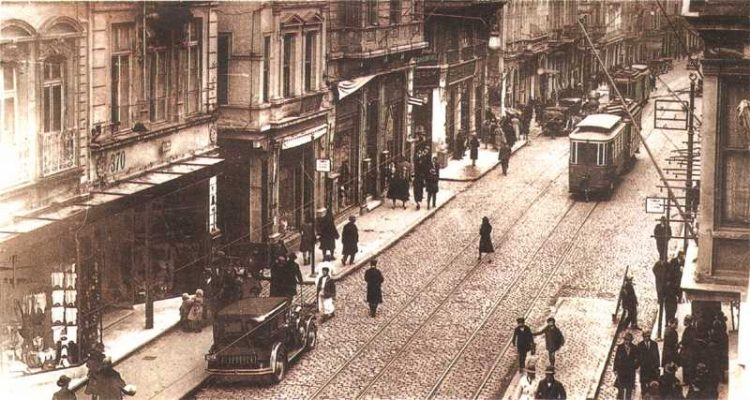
x,y
326,289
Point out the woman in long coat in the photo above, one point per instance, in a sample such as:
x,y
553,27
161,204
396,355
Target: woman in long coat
x,y
473,149
195,316
328,235
374,280
485,238
433,179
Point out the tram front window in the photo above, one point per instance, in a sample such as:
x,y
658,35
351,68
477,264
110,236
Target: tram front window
x,y
587,153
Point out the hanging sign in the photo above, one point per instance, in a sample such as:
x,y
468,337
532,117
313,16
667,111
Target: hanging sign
x,y
656,205
323,165
212,206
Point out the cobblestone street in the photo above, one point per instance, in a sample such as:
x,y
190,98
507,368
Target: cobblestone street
x,y
446,323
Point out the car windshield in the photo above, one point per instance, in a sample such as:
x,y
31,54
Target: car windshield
x,y
227,330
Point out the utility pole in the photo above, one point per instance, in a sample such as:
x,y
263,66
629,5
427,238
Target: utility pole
x,y
149,277
314,211
689,167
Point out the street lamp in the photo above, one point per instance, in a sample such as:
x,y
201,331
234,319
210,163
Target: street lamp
x,y
494,43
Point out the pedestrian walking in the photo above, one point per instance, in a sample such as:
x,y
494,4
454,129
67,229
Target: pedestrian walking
x,y
662,234
660,280
629,317
508,132
503,154
326,291
349,240
648,361
64,393
374,279
524,342
307,241
473,149
624,366
94,365
549,387
327,233
670,387
673,276
195,316
671,345
418,187
293,275
553,339
110,381
185,306
527,384
279,277
516,123
485,237
433,179
398,189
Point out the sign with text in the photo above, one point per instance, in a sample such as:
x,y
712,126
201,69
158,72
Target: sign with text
x,y
656,205
212,206
323,165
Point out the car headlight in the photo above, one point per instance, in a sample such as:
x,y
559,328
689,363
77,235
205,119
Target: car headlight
x,y
211,357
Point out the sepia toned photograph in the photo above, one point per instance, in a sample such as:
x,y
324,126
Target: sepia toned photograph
x,y
375,199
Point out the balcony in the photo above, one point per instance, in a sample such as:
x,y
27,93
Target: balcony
x,y
58,151
297,106
376,41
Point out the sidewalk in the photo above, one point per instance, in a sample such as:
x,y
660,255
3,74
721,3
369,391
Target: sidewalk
x,y
379,229
123,337
585,341
462,170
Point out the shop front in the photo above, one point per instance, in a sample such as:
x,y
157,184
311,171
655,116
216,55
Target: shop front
x,y
346,153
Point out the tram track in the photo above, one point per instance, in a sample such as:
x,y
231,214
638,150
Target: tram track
x,y
424,288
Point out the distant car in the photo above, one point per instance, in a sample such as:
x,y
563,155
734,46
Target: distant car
x,y
258,337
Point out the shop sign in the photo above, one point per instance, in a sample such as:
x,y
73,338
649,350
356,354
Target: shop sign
x,y
656,205
428,77
323,165
212,206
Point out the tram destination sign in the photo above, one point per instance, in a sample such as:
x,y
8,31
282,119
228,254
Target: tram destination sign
x,y
656,205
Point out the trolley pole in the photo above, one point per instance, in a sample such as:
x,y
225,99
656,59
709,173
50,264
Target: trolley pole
x,y
689,170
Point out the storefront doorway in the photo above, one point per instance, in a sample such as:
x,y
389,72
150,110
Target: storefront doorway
x,y
296,174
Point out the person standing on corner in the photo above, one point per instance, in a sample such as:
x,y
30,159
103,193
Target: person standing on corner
x,y
307,241
553,339
662,234
629,317
485,237
524,342
433,179
328,235
374,279
349,240
294,275
624,366
503,154
473,149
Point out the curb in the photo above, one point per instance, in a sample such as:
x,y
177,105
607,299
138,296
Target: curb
x,y
389,243
601,368
478,177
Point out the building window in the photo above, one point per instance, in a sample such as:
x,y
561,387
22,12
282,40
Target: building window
x,y
14,150
122,35
158,83
266,67
224,51
287,67
191,64
310,59
58,150
733,188
372,12
395,11
9,105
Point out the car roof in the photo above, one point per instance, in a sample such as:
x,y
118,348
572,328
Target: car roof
x,y
256,308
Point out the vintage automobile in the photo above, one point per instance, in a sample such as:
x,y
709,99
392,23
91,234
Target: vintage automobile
x,y
259,337
573,104
554,121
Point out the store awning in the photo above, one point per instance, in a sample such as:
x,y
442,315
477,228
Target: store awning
x,y
304,137
348,87
155,182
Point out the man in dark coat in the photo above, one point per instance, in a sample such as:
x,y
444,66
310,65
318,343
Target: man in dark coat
x,y
674,273
485,237
503,154
508,132
111,383
64,393
95,364
307,242
293,275
648,357
418,187
433,178
279,278
625,364
549,387
662,234
349,240
374,279
671,345
660,270
669,386
473,149
629,318
328,234
523,340
553,339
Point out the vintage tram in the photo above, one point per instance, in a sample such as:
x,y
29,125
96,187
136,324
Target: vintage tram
x,y
601,148
633,83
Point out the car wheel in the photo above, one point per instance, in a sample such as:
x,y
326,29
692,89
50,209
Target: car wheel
x,y
312,337
279,364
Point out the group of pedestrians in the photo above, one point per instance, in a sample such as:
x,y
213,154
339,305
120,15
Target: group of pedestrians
x,y
326,290
426,178
667,277
285,276
523,340
192,312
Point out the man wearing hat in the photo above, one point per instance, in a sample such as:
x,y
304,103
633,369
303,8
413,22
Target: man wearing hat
x,y
527,384
64,393
629,317
553,339
669,385
374,279
626,362
549,387
326,290
523,340
662,234
648,359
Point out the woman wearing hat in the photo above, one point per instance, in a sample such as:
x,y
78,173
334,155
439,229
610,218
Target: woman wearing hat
x,y
64,393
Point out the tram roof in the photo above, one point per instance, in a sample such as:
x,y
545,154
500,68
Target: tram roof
x,y
600,121
598,127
